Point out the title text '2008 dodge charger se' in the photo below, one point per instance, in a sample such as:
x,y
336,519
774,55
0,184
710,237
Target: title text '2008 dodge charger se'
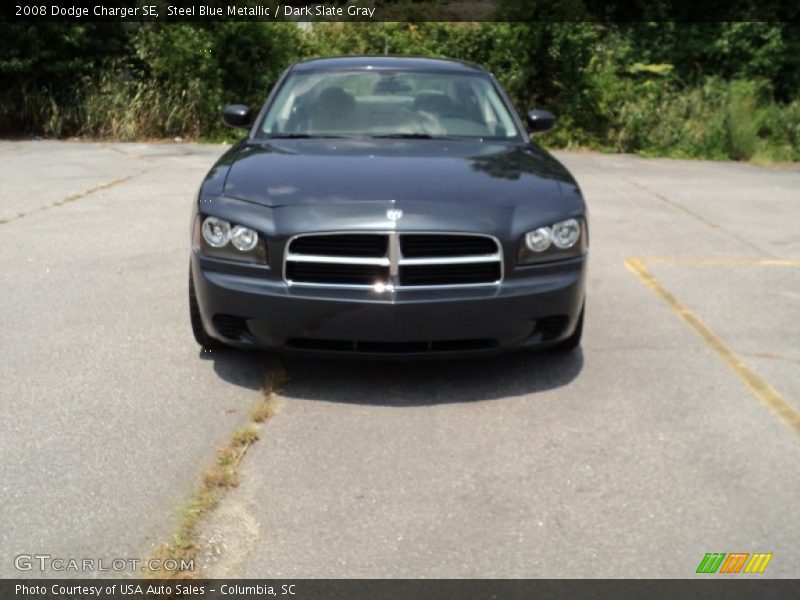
x,y
388,206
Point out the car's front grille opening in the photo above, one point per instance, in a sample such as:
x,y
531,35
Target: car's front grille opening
x,y
431,245
462,345
550,328
392,347
358,245
230,326
394,260
411,347
458,274
321,345
345,274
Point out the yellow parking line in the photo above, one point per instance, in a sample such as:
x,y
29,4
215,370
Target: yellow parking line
x,y
760,262
768,395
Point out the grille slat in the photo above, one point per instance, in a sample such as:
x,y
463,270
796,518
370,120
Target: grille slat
x,y
394,260
360,245
449,274
327,273
420,246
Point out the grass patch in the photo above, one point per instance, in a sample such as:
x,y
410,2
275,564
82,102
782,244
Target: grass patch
x,y
217,480
273,384
244,437
718,120
262,411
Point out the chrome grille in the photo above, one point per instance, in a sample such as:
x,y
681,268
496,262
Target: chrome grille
x,y
393,260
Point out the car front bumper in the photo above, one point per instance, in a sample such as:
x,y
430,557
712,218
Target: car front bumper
x,y
536,308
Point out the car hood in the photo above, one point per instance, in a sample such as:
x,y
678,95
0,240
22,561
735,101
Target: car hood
x,y
341,171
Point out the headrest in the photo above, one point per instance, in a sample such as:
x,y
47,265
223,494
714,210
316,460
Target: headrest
x,y
435,102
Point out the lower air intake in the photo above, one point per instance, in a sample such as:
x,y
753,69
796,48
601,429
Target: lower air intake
x,y
230,326
412,347
550,328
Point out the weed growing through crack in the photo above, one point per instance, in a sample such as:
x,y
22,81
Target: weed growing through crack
x,y
273,383
217,480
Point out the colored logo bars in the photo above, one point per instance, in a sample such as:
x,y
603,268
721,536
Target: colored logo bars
x,y
735,562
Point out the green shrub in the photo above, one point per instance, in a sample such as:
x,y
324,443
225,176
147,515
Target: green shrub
x,y
143,80
702,90
177,61
717,120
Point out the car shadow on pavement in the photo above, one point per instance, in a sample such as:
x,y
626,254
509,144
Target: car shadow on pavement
x,y
412,383
245,368
407,384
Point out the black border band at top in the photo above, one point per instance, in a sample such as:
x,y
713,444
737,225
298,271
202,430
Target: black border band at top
x,y
609,11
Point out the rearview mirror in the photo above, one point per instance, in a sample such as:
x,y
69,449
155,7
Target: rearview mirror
x,y
540,120
237,115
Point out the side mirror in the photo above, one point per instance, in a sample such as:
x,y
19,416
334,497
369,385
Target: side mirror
x,y
237,115
540,120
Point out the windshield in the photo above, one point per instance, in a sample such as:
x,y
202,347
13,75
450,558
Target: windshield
x,y
388,103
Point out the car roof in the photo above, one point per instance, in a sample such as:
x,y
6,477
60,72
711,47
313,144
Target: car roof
x,y
419,63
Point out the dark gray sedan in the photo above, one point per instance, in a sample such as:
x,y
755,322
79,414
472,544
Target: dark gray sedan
x,y
388,207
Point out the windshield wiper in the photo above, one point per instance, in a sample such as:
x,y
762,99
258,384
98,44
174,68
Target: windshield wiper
x,y
412,136
302,136
387,136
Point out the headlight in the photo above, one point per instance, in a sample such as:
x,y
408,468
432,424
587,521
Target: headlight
x,y
216,232
222,239
566,233
565,239
540,239
244,238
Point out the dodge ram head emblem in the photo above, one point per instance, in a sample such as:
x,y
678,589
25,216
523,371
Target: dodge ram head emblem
x,y
394,214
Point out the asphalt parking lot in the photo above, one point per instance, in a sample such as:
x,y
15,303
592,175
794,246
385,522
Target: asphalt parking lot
x,y
674,432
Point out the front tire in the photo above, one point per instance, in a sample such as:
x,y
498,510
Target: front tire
x,y
200,334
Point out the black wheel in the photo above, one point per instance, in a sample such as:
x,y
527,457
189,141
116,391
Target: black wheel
x,y
574,340
200,334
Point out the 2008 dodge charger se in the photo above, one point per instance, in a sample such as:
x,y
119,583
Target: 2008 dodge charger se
x,y
392,207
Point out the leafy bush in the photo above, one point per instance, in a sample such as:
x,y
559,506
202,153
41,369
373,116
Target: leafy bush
x,y
709,90
143,80
716,120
